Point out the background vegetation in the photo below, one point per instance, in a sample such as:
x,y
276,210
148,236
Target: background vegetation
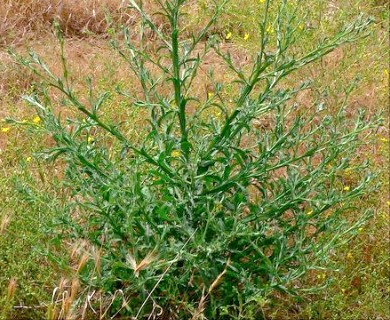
x,y
33,262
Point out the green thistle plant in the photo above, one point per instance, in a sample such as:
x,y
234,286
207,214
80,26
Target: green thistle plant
x,y
211,212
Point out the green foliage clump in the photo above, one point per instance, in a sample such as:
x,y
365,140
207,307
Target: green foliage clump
x,y
227,198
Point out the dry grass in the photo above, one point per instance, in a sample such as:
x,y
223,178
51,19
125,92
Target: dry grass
x,y
25,18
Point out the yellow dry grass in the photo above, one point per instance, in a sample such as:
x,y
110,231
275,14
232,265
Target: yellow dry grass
x,y
19,19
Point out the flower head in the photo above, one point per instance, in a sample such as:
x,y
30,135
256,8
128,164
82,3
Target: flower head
x,y
5,129
321,276
36,119
270,29
175,153
217,114
348,171
228,35
246,36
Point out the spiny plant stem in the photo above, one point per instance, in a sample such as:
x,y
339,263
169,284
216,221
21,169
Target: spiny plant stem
x,y
180,101
258,68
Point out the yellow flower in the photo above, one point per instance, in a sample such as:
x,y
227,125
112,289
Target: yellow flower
x,y
349,255
386,72
270,29
300,27
90,139
309,213
217,114
210,95
228,35
384,140
172,104
321,276
5,129
360,229
28,159
246,36
37,119
175,153
347,188
348,171
388,203
261,1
